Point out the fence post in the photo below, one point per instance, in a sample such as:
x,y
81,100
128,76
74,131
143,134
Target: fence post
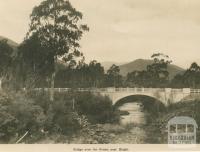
x,y
73,107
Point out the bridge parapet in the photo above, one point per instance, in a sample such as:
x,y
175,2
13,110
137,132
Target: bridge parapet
x,y
195,91
168,90
165,95
134,90
112,89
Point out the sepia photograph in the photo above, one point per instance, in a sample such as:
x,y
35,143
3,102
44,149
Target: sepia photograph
x,y
100,72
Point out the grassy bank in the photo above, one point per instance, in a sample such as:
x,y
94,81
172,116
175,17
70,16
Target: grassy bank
x,y
33,113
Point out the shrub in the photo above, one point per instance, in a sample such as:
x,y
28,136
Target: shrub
x,y
40,98
97,108
33,112
18,115
62,119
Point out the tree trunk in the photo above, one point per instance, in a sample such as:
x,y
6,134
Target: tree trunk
x,y
52,86
1,83
53,79
193,84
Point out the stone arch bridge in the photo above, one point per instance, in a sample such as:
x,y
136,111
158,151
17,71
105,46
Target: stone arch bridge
x,y
164,95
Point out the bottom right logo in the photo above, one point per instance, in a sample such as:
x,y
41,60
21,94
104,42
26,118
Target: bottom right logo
x,y
182,131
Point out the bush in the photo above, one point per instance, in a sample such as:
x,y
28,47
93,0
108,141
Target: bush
x,y
33,112
19,114
41,98
69,108
97,108
60,117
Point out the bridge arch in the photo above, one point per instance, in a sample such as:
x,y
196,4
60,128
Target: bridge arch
x,y
153,95
138,98
148,106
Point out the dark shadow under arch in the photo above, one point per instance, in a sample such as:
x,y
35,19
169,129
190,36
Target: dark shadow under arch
x,y
149,103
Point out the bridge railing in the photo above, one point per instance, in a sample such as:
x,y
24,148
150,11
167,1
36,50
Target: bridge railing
x,y
111,89
134,89
177,90
195,91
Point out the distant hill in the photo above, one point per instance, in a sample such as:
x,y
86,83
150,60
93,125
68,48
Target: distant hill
x,y
141,64
108,64
10,42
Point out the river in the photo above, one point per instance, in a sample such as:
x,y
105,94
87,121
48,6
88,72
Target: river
x,y
135,116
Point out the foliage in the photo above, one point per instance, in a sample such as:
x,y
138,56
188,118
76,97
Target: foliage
x,y
60,117
85,75
56,24
158,70
54,34
138,79
18,115
156,74
96,72
190,78
35,65
113,77
97,108
67,114
6,59
21,113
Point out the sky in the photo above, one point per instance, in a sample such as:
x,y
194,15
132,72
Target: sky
x,y
123,30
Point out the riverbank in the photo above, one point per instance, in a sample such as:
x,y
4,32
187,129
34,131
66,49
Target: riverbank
x,y
102,134
154,132
106,134
94,121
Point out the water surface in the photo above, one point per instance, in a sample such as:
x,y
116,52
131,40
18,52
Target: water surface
x,y
135,116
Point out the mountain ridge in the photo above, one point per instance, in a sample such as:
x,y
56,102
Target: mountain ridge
x,y
141,64
10,42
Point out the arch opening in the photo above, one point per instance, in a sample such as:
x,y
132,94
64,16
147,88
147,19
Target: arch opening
x,y
139,109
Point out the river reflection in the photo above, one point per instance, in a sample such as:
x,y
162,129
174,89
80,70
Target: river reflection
x,y
135,116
